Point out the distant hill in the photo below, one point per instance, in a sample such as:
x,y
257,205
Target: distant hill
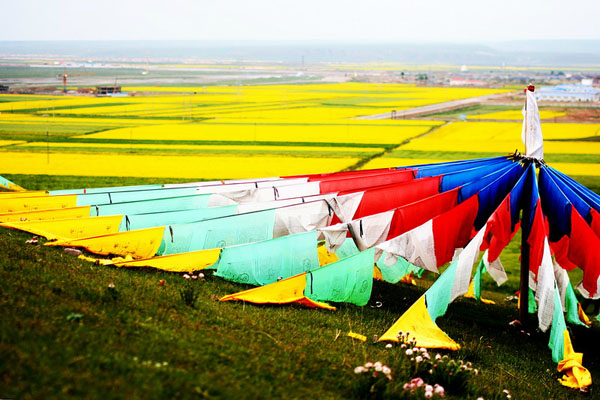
x,y
510,53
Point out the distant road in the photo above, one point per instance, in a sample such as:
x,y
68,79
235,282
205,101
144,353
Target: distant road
x,y
439,107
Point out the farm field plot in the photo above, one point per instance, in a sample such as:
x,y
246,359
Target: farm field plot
x,y
571,148
490,137
273,101
144,148
220,132
516,115
251,132
206,167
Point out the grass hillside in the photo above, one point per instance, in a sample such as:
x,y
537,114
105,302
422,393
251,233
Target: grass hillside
x,y
64,333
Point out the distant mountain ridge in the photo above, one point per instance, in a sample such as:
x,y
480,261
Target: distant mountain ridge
x,y
509,53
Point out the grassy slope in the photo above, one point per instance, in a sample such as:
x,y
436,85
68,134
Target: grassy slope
x,y
227,350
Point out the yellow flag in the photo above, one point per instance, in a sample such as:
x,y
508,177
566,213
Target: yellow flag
x,y
71,228
576,375
61,213
141,243
290,290
13,195
471,295
20,204
583,316
325,257
417,321
182,262
11,186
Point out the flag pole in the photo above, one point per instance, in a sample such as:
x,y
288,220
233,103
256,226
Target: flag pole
x,y
524,284
524,288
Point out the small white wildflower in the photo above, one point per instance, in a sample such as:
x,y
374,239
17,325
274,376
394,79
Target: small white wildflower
x,y
439,390
429,388
386,370
201,275
388,346
378,364
438,357
359,370
475,371
403,346
505,391
194,277
409,352
480,398
419,359
158,365
428,395
369,364
423,350
508,396
186,276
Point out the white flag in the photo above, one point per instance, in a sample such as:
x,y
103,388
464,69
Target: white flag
x,y
532,128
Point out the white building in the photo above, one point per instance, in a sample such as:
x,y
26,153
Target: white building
x,y
568,93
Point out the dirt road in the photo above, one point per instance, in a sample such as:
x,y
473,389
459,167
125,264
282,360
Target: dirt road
x,y
439,107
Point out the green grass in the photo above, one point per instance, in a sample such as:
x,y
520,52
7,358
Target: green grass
x,y
56,182
192,152
229,350
221,350
20,131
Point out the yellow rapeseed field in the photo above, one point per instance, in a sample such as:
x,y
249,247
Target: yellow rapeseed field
x,y
25,119
218,121
181,166
331,101
228,147
494,137
385,134
10,142
578,169
385,162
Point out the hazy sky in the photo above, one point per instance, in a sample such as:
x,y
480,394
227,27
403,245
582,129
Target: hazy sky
x,y
376,20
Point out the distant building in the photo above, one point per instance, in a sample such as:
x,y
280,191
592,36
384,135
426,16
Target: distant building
x,y
568,93
107,90
466,82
